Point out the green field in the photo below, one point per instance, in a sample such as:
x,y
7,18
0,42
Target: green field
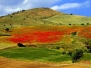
x,y
39,54
36,54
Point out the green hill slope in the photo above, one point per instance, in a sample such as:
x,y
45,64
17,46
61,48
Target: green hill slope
x,y
69,19
41,16
28,17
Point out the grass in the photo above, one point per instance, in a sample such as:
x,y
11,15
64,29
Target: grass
x,y
28,17
39,54
87,57
69,19
4,45
41,16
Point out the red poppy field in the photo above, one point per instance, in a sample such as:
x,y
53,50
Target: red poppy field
x,y
36,35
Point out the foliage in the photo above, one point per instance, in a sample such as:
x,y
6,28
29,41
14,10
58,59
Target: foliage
x,y
71,14
88,24
63,52
88,45
74,33
77,55
58,47
69,24
82,24
69,53
7,29
21,45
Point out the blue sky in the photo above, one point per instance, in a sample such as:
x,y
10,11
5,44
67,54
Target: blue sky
x,y
78,7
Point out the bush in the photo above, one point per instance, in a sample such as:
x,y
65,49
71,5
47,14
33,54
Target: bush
x,y
58,47
69,24
77,55
87,23
88,45
63,52
7,29
74,33
82,24
71,14
69,53
21,45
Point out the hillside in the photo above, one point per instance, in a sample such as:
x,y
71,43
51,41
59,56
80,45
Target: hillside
x,y
41,16
67,19
28,17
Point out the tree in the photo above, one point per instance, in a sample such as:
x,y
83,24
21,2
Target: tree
x,y
77,55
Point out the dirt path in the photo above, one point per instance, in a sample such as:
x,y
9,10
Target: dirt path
x,y
10,63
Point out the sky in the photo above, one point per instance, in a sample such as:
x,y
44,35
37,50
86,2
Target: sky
x,y
77,7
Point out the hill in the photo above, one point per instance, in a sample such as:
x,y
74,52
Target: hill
x,y
28,17
41,16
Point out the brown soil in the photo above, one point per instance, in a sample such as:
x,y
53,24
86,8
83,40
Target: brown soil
x,y
10,63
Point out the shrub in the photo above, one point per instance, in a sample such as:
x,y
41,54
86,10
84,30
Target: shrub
x,y
63,52
69,53
82,24
24,18
7,29
74,33
71,14
11,16
23,10
87,23
21,45
89,48
69,24
77,55
58,47
88,45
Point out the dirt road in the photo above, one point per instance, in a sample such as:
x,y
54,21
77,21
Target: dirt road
x,y
10,63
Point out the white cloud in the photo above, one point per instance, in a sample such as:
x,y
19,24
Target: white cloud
x,y
25,1
66,6
26,4
12,9
71,5
39,3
